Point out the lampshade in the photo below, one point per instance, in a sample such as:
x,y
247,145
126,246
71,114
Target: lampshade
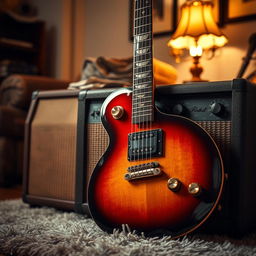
x,y
197,27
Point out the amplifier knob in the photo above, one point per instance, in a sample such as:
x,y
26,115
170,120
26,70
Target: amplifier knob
x,y
178,109
216,108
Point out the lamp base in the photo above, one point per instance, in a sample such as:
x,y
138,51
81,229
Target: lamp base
x,y
196,70
195,81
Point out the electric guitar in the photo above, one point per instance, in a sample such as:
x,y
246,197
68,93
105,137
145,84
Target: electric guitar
x,y
160,173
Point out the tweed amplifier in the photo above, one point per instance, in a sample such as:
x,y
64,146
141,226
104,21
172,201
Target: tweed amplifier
x,y
227,110
64,139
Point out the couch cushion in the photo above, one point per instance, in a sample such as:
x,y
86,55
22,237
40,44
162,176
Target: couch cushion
x,y
16,90
12,121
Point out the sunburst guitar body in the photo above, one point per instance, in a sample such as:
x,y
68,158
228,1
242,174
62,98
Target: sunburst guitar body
x,y
166,177
161,173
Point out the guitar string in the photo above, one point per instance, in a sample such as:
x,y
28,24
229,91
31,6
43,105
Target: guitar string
x,y
140,125
133,93
140,118
135,81
149,2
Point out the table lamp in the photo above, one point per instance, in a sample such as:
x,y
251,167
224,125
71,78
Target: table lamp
x,y
197,31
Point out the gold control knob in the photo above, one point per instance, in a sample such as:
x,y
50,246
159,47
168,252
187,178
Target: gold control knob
x,y
174,184
117,112
194,189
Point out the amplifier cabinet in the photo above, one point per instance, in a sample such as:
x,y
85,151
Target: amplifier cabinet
x,y
227,110
64,139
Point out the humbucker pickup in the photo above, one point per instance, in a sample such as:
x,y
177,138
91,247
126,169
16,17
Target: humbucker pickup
x,y
145,145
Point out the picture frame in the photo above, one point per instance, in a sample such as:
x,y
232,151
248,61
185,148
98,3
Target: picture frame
x,y
239,10
164,17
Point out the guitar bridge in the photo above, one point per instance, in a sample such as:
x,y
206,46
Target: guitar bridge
x,y
143,171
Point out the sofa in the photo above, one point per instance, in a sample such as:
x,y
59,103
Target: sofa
x,y
15,97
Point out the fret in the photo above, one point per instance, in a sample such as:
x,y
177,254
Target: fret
x,y
148,34
147,111
143,37
142,12
138,114
135,113
142,57
142,94
141,100
142,115
139,71
140,104
142,111
140,3
142,80
143,69
142,75
142,44
143,20
147,18
142,108
139,93
142,29
137,48
143,51
142,64
144,119
141,86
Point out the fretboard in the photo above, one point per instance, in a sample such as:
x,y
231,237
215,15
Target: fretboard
x,y
142,100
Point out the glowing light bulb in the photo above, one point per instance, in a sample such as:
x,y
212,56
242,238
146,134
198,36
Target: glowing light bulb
x,y
196,51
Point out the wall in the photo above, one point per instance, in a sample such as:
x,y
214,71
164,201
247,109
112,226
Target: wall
x,y
65,36
107,34
78,29
106,27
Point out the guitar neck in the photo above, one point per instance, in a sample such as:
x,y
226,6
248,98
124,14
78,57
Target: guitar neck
x,y
142,100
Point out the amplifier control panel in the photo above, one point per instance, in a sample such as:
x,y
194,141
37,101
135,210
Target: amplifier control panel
x,y
198,107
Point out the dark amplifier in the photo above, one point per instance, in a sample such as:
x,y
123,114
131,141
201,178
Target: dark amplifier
x,y
64,139
227,111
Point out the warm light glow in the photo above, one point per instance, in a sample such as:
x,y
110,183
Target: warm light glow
x,y
195,51
197,27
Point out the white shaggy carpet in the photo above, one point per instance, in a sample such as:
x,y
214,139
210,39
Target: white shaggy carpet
x,y
46,231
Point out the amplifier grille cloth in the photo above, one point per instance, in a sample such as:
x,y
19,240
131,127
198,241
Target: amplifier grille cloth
x,y
53,149
97,139
220,131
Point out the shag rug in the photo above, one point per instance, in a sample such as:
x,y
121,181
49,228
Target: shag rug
x,y
46,231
